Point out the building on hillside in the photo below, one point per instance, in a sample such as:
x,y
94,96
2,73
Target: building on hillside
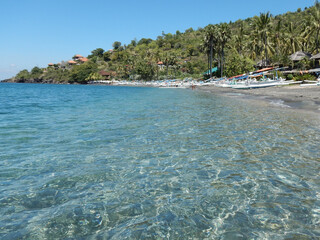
x,y
160,65
77,57
71,62
107,75
83,60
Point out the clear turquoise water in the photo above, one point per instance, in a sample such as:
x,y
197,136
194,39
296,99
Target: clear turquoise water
x,y
99,162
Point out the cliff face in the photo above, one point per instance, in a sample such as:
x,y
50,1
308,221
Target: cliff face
x,y
13,80
5,80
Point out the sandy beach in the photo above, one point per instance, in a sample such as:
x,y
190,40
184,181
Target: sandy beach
x,y
295,97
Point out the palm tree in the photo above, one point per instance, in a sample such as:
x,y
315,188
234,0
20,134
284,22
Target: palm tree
x,y
169,59
156,58
254,45
263,26
208,44
239,38
293,43
315,26
224,35
210,40
173,59
166,61
204,47
277,37
306,34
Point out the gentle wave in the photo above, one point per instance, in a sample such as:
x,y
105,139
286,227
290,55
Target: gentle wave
x,y
104,162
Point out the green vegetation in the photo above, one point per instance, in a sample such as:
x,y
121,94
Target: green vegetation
x,y
23,75
81,73
233,47
304,77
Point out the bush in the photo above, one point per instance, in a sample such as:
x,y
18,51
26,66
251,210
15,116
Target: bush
x,y
290,77
56,75
23,75
305,77
236,64
80,73
280,74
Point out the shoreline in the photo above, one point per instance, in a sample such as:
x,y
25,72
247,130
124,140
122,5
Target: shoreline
x,y
290,97
294,97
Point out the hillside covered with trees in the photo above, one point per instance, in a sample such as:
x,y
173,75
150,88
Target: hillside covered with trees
x,y
234,47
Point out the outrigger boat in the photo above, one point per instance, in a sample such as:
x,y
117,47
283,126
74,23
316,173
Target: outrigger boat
x,y
248,81
256,85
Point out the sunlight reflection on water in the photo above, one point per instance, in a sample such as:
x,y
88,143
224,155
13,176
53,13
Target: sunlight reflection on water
x,y
142,163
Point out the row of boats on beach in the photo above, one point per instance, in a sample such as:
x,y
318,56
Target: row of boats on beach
x,y
249,83
254,83
260,79
257,79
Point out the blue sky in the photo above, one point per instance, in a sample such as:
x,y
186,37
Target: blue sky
x,y
37,32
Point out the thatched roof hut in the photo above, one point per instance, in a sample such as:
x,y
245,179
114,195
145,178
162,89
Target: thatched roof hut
x,y
298,56
263,63
317,56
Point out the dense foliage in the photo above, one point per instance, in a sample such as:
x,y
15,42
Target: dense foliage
x,y
233,47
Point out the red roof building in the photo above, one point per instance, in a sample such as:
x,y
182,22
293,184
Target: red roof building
x,y
84,59
107,75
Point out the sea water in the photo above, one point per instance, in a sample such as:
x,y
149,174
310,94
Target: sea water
x,y
103,162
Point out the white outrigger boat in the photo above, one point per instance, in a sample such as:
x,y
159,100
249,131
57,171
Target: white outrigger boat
x,y
248,81
250,85
314,83
289,82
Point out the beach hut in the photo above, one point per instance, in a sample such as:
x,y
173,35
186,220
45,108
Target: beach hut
x,y
316,58
107,75
298,56
262,64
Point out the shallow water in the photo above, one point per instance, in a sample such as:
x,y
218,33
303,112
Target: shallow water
x,y
100,162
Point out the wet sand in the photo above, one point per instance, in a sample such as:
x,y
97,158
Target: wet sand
x,y
295,97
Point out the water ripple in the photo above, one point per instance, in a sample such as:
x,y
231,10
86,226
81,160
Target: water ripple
x,y
100,162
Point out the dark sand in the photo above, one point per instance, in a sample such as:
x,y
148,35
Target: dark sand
x,y
294,97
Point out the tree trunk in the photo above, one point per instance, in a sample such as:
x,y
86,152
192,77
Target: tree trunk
x,y
317,41
265,47
208,55
167,70
211,50
157,72
222,59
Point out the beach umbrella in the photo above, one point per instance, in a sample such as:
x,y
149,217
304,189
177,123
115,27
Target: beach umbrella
x,y
298,56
